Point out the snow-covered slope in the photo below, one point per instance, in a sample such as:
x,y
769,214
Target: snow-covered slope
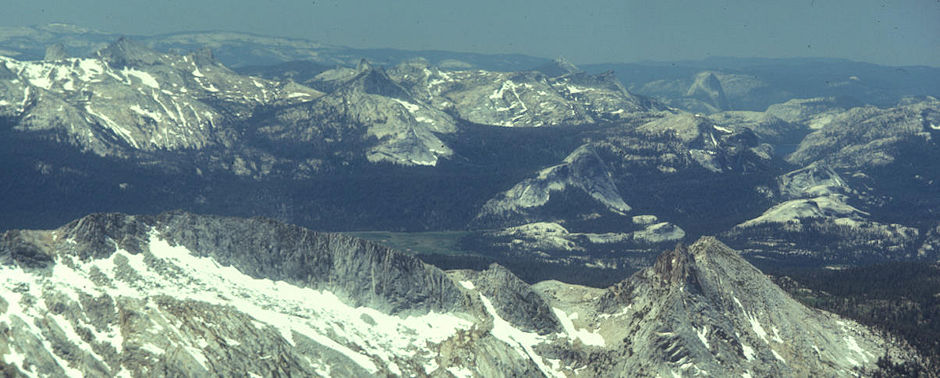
x,y
583,171
522,99
704,310
129,98
181,294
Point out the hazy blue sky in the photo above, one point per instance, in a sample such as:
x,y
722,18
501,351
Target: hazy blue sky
x,y
897,32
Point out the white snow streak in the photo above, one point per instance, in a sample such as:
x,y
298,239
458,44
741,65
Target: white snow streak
x,y
586,337
701,336
519,340
468,284
364,335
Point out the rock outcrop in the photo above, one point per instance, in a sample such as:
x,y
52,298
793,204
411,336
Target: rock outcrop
x,y
177,293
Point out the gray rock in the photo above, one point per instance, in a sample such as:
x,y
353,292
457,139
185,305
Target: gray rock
x,y
558,67
128,100
523,99
182,294
515,301
583,170
703,308
367,114
55,51
867,137
707,88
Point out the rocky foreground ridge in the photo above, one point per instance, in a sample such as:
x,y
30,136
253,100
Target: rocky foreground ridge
x,y
184,294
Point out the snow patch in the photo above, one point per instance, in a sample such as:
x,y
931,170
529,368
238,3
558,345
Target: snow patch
x,y
586,337
120,131
574,90
755,324
364,335
409,106
90,69
722,129
758,329
41,82
460,372
468,285
144,77
853,346
12,357
748,352
777,356
776,336
701,336
299,94
519,340
147,113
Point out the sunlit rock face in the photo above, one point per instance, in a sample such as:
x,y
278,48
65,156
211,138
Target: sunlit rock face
x,y
557,94
176,293
367,110
127,98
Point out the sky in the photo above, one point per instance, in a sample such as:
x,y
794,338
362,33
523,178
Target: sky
x,y
891,32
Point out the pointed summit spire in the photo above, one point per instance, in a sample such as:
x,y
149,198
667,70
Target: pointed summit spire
x,y
364,65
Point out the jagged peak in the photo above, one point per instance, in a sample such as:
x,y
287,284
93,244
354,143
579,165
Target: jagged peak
x,y
374,80
515,300
127,52
693,264
673,266
364,66
392,281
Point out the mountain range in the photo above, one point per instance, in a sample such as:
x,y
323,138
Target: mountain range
x,y
182,294
531,171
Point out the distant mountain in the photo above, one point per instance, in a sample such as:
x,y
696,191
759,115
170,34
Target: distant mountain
x,y
754,84
128,98
864,192
552,164
367,106
150,130
176,293
236,49
708,89
548,170
523,99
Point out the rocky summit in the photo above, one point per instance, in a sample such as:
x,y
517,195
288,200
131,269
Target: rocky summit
x,y
503,173
183,294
